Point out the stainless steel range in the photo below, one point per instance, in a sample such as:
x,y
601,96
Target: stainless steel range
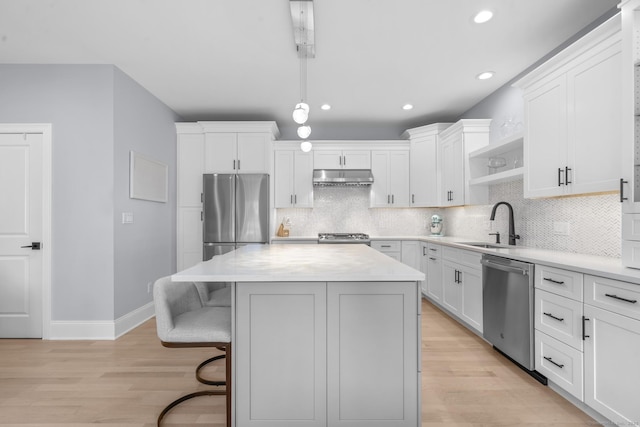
x,y
344,238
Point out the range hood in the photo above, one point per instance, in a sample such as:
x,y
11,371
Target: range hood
x,y
342,177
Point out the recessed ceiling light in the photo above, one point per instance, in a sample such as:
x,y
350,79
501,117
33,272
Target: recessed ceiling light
x,y
325,107
486,75
407,107
483,16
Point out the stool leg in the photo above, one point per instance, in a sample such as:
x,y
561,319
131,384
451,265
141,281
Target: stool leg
x,y
178,401
205,363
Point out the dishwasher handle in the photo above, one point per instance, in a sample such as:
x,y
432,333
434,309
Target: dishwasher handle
x,y
504,267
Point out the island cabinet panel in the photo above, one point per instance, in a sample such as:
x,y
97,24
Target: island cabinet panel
x,y
372,354
280,354
327,354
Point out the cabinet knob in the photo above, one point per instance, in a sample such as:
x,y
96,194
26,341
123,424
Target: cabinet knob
x,y
622,182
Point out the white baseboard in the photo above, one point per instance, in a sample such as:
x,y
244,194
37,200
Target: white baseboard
x,y
102,329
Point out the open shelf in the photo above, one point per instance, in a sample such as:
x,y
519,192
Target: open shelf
x,y
510,143
496,178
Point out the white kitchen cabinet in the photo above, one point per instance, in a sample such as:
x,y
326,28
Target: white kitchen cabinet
x,y
211,147
434,272
630,153
390,169
455,144
411,255
424,180
372,354
558,322
316,354
462,285
342,159
573,117
612,371
391,248
293,179
232,152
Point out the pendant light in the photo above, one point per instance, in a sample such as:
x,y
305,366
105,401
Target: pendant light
x,y
302,18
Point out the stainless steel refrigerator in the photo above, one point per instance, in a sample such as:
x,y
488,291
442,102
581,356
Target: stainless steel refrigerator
x,y
236,212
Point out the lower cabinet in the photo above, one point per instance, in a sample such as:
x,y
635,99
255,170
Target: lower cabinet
x,y
391,248
327,354
433,270
462,285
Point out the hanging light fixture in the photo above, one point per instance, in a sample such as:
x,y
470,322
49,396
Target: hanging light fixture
x,y
303,30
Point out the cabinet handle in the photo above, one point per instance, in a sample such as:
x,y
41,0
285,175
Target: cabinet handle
x,y
632,301
559,319
295,199
413,198
566,175
388,199
555,363
393,199
432,258
622,198
560,177
433,249
291,198
201,215
385,246
344,160
424,251
584,319
234,165
557,282
238,164
340,160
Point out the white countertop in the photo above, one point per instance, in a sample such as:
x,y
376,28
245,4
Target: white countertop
x,y
588,264
300,263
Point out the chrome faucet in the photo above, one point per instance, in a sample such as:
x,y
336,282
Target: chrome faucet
x,y
512,232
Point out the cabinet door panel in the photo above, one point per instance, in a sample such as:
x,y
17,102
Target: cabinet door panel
x,y
611,354
189,237
399,178
356,159
372,354
472,297
281,354
303,179
452,290
220,153
252,153
190,166
380,196
424,172
595,125
283,179
327,159
545,138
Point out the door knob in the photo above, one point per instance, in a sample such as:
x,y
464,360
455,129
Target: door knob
x,y
34,246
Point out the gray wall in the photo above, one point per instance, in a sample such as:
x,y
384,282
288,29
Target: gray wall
x,y
144,250
79,102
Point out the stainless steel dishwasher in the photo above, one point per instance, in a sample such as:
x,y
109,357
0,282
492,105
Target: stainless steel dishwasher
x,y
507,297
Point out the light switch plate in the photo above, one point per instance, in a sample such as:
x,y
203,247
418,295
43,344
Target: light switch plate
x,y
560,228
127,217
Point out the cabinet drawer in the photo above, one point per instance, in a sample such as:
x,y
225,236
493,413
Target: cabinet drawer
x,y
434,251
558,281
387,245
461,256
614,295
559,317
560,363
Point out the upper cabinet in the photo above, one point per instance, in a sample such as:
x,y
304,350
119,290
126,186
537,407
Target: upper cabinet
x,y
424,180
342,159
293,179
238,147
390,169
573,117
455,144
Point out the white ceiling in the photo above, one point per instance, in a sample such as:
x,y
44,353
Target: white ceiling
x,y
236,59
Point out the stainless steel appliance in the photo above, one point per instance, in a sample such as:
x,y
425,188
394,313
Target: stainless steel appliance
x,y
507,296
342,177
236,212
344,238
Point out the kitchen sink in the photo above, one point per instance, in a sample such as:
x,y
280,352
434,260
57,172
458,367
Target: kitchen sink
x,y
483,245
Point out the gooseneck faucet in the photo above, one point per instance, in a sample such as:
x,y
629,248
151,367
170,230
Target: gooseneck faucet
x,y
512,231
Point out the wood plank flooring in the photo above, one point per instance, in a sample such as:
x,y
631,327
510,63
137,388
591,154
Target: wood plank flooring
x,y
127,382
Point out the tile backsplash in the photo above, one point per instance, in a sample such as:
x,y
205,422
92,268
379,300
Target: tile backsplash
x,y
584,224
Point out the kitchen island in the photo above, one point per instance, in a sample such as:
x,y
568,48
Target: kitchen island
x,y
323,335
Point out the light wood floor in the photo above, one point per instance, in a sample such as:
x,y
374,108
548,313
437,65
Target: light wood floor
x,y
128,381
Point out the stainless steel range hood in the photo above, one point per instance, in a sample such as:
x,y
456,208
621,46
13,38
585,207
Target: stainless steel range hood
x,y
342,177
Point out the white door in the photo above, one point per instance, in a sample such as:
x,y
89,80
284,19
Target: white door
x,y
399,178
20,226
252,153
303,179
221,152
283,178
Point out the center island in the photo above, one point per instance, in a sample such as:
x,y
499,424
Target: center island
x,y
323,335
